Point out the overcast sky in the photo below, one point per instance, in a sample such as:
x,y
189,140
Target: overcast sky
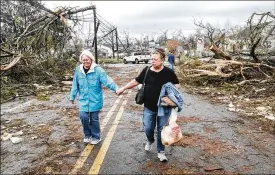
x,y
147,17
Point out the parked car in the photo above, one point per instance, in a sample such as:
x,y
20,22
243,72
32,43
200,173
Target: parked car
x,y
136,57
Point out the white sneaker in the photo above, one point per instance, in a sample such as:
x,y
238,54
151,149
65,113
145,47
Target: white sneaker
x,y
162,157
86,140
148,146
94,142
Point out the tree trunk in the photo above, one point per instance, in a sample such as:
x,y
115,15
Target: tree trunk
x,y
252,51
219,54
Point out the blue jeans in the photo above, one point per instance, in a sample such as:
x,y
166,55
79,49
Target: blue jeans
x,y
150,119
172,66
90,123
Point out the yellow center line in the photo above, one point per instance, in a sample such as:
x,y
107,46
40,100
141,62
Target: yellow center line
x,y
110,113
104,148
84,155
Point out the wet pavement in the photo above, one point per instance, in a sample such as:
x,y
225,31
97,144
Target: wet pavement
x,y
214,139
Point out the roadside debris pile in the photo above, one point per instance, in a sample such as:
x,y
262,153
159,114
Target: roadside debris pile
x,y
218,71
38,80
247,88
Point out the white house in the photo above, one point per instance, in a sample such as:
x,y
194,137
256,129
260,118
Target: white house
x,y
106,50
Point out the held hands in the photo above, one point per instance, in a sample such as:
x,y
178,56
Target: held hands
x,y
120,91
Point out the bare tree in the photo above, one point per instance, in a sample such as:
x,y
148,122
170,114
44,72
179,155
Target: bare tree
x,y
178,35
139,43
162,38
126,39
191,42
215,37
152,36
259,28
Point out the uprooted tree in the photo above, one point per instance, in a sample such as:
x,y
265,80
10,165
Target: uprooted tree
x,y
215,38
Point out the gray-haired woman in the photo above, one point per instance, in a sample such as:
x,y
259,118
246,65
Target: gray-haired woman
x,y
87,82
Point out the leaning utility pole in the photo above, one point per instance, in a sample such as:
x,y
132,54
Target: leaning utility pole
x,y
95,34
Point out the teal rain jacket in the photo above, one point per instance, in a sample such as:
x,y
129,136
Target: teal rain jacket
x,y
89,87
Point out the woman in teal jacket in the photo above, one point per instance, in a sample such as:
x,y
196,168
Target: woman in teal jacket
x,y
87,82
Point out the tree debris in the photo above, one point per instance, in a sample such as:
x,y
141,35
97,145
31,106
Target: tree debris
x,y
244,86
16,140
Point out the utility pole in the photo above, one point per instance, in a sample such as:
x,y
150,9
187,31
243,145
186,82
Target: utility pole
x,y
116,43
95,33
113,45
123,46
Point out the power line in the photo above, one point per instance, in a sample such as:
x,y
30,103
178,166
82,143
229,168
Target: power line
x,y
106,21
106,25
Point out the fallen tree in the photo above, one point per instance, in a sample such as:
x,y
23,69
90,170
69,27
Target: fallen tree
x,y
219,53
215,37
219,71
227,68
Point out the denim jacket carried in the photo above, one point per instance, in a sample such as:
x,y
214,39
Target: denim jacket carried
x,y
169,90
89,87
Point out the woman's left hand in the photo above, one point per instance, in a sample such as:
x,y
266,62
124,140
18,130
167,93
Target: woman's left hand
x,y
120,91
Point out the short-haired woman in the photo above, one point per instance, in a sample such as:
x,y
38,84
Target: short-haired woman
x,y
157,76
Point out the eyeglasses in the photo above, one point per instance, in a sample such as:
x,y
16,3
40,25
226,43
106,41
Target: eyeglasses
x,y
86,60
